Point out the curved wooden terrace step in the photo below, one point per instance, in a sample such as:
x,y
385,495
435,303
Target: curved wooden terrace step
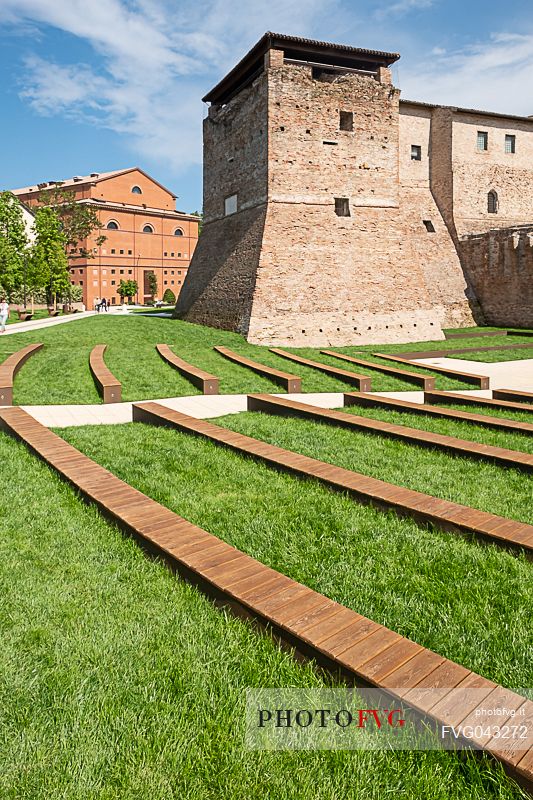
x,y
474,334
427,382
362,651
393,404
363,382
109,387
207,383
513,395
457,350
423,508
291,383
481,381
437,441
470,400
9,369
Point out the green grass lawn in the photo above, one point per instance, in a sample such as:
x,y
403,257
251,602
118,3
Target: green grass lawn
x,y
60,374
498,355
119,681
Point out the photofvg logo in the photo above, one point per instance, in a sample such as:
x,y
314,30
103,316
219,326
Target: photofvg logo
x,y
370,719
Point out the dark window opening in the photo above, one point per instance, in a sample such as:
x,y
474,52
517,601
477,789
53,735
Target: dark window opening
x,y
416,152
346,120
482,140
342,207
492,202
429,225
510,143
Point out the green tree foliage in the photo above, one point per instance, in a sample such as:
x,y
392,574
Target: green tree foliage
x,y
127,289
13,244
200,215
78,220
169,297
48,267
152,283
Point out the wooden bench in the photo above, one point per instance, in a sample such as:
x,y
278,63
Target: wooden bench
x,y
55,312
363,382
393,404
208,384
425,381
25,316
470,400
291,383
108,386
482,381
462,350
437,441
474,334
10,367
423,508
513,395
363,652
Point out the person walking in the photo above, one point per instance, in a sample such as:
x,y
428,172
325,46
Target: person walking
x,y
103,304
4,313
108,304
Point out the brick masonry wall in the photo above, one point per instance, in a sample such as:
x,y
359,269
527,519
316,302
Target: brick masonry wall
x,y
292,271
501,268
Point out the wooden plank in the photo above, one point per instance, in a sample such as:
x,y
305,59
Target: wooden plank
x,y
9,369
207,383
109,387
415,354
394,404
474,334
449,444
459,399
291,383
411,377
363,382
422,507
367,653
481,381
512,395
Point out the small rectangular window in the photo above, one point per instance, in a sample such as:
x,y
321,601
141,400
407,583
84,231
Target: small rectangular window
x,y
113,283
482,140
130,272
129,252
230,205
510,143
429,225
165,254
346,120
112,272
113,250
113,301
342,207
172,255
416,152
122,252
122,272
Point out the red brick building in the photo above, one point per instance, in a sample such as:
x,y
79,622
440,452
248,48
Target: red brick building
x,y
144,233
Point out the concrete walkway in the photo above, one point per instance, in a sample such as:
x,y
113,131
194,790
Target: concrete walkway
x,y
503,374
47,322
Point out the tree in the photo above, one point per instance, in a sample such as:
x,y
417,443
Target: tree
x,y
127,289
78,220
200,215
13,243
152,283
169,297
48,266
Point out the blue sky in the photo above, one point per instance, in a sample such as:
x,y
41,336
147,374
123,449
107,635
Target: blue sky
x,y
94,85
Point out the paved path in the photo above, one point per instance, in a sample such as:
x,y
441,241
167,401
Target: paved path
x,y
35,324
503,374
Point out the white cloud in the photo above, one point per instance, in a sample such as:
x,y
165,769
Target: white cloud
x,y
490,75
154,59
400,7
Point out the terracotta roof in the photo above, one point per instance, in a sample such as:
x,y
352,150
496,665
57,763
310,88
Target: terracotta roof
x,y
459,110
113,206
80,180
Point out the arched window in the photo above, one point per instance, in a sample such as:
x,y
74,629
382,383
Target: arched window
x,y
492,202
136,190
178,232
148,229
112,225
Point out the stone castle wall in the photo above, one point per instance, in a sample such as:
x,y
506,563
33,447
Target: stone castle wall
x,y
501,268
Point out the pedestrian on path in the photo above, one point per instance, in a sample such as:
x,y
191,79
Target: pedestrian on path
x,y
103,304
4,313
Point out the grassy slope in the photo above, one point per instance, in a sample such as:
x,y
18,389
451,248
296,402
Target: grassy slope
x,y
119,681
446,593
60,374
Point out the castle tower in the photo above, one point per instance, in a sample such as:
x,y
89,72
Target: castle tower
x,y
309,236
